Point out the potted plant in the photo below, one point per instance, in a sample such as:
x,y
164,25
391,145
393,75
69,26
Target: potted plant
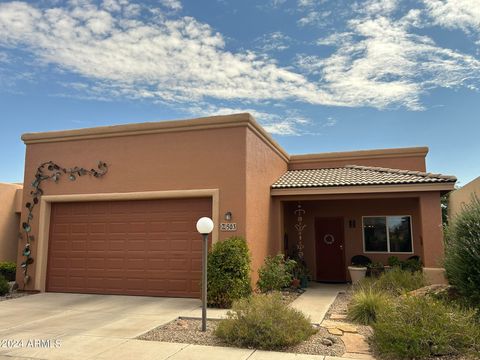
x,y
357,272
295,283
376,269
301,272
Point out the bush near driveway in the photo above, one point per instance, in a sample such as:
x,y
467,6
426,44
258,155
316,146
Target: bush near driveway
x,y
421,327
264,322
276,273
462,253
228,272
4,286
8,270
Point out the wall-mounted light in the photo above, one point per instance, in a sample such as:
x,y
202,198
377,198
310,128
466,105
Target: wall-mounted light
x,y
228,216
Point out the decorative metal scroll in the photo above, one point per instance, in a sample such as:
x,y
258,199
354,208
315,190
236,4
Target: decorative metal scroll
x,y
300,226
48,171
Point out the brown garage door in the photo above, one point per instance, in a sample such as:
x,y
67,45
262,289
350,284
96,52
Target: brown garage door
x,y
147,247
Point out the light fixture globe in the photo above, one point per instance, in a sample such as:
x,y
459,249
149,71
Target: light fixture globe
x,y
204,225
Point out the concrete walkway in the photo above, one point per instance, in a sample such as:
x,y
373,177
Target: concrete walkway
x,y
317,299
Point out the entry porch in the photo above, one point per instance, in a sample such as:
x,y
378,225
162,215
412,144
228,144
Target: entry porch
x,y
328,216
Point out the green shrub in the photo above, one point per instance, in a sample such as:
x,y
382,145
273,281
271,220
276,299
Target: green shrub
x,y
462,252
228,272
4,286
409,264
275,274
365,305
264,322
412,265
421,327
8,270
395,282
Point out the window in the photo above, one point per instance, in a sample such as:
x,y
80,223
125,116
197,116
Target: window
x,y
387,234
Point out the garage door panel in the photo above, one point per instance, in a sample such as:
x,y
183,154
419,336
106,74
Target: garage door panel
x,y
147,247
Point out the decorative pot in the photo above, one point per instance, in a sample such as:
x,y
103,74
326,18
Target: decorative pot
x,y
304,282
295,283
357,273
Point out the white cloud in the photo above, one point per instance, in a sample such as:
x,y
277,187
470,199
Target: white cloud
x,y
175,5
377,7
315,18
287,122
4,58
379,62
455,14
175,60
275,41
330,122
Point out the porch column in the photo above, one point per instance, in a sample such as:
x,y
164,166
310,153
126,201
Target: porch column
x,y
432,237
432,231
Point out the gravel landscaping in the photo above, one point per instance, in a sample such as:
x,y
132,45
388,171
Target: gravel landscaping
x,y
15,294
186,330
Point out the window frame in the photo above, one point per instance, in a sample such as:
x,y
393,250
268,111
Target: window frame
x,y
388,235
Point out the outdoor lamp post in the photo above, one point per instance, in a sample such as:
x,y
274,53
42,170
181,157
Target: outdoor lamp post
x,y
204,227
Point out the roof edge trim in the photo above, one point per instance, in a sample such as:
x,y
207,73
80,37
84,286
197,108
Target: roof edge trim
x,y
201,123
360,154
363,189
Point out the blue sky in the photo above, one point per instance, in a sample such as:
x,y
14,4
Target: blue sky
x,y
331,75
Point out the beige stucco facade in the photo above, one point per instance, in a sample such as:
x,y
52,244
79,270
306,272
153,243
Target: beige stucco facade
x,y
233,161
10,208
463,196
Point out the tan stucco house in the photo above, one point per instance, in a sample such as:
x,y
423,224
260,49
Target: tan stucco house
x,y
10,209
131,229
458,199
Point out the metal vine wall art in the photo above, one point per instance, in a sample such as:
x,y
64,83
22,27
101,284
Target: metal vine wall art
x,y
300,226
48,171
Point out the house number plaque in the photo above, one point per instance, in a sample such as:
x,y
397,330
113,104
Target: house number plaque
x,y
228,226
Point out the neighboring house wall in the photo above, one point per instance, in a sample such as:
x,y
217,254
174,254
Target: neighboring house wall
x,y
265,164
463,196
10,198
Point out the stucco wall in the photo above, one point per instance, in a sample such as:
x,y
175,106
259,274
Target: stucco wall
x,y
406,158
352,209
263,167
9,221
200,159
463,196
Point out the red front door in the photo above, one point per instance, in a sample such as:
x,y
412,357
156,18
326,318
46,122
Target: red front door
x,y
330,249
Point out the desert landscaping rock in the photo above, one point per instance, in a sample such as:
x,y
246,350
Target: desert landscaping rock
x,y
335,331
340,325
355,343
327,342
337,316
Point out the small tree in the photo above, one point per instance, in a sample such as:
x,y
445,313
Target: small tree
x,y
228,272
462,252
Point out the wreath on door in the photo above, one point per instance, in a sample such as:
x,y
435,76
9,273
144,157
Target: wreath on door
x,y
329,239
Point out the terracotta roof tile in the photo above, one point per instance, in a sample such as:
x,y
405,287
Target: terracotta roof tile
x,y
351,175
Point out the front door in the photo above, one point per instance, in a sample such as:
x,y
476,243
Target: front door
x,y
330,249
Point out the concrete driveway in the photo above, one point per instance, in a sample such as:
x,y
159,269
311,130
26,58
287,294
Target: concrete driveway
x,y
87,326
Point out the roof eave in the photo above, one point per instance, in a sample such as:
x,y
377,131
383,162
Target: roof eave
x,y
364,189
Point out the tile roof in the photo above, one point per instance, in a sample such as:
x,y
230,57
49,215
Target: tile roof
x,y
353,175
